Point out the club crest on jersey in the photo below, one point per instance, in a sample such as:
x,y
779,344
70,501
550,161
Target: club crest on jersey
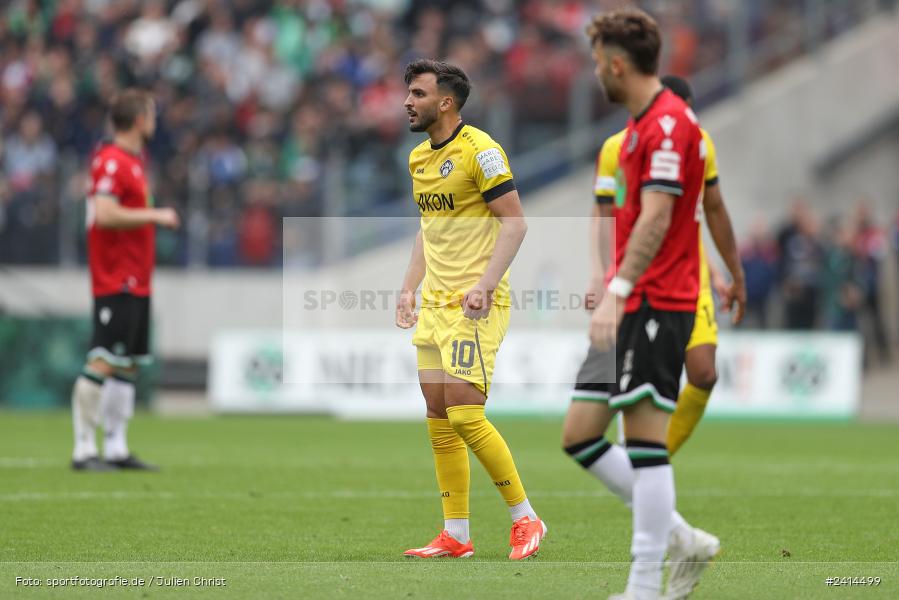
x,y
446,168
632,144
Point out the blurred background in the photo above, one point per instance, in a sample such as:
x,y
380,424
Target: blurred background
x,y
271,109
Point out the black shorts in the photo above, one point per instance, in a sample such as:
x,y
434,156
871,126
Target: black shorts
x,y
648,363
121,330
595,377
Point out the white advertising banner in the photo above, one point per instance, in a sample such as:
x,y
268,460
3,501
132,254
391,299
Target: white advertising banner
x,y
787,374
761,374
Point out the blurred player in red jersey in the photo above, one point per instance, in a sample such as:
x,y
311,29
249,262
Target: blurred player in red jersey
x,y
121,224
647,314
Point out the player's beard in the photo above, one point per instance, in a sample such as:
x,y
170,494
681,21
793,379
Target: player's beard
x,y
425,120
613,93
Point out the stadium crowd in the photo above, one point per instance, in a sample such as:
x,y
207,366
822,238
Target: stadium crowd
x,y
257,97
809,274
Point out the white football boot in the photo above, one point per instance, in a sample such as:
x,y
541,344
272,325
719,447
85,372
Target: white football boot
x,y
688,561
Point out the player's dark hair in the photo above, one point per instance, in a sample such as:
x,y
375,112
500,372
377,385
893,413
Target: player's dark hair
x,y
127,106
449,77
680,87
634,32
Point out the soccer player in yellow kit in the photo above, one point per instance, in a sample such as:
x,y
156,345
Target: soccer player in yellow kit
x,y
471,228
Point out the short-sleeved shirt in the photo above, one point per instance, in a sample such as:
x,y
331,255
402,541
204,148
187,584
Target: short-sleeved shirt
x,y
605,187
663,150
711,178
711,159
452,183
120,260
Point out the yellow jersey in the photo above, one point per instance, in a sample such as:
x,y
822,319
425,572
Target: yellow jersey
x,y
711,159
606,187
452,182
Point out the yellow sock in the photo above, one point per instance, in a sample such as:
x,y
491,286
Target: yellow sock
x,y
690,407
451,464
490,448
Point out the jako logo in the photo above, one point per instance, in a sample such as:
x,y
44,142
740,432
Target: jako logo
x,y
428,202
502,483
444,495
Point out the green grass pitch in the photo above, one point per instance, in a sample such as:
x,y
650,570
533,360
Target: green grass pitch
x,y
292,507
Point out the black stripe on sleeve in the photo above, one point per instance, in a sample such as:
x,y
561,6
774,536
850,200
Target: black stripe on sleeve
x,y
662,185
497,191
711,181
604,199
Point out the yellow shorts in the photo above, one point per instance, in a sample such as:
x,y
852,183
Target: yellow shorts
x,y
466,349
705,327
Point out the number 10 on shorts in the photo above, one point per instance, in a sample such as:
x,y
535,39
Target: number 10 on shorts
x,y
463,354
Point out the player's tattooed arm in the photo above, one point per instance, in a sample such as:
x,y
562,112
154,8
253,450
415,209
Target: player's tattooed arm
x,y
648,234
415,273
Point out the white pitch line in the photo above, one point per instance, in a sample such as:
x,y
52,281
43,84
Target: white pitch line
x,y
796,466
28,462
30,496
693,463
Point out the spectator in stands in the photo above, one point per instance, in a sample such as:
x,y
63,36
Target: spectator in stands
x,y
871,248
759,258
30,154
895,236
258,228
842,284
800,261
226,162
152,37
29,162
64,117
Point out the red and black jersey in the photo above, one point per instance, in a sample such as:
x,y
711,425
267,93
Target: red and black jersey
x,y
120,260
663,151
